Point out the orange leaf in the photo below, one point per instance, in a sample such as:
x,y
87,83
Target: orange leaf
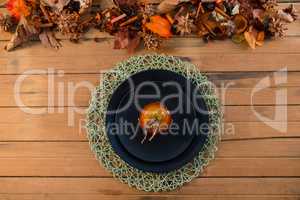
x,y
160,26
18,8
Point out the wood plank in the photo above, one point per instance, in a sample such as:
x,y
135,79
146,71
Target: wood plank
x,y
250,114
89,167
107,186
95,57
59,124
74,89
259,130
274,148
49,126
144,197
231,113
251,79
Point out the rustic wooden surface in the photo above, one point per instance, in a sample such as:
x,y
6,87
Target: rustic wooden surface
x,y
41,157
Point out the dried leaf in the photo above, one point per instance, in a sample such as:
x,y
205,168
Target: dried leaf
x,y
236,9
258,13
7,23
24,32
56,5
260,36
129,7
250,37
126,39
18,8
160,26
168,5
292,11
285,16
125,2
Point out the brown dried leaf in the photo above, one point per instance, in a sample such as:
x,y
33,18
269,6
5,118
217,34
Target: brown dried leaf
x,y
24,32
250,38
292,11
258,13
126,39
285,16
56,5
168,5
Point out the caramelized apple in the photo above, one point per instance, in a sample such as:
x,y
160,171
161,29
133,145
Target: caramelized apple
x,y
154,119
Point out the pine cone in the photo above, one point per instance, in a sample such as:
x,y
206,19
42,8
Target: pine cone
x,y
276,27
152,41
246,9
70,24
270,6
6,23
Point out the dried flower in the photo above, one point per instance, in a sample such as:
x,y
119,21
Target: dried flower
x,y
185,25
152,41
72,25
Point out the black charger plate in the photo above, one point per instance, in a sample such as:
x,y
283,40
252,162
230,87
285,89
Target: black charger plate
x,y
165,152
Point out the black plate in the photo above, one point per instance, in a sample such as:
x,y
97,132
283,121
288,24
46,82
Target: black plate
x,y
151,151
165,152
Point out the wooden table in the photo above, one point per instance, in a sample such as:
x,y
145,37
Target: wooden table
x,y
42,157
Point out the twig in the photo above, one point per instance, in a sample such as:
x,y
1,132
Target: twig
x,y
221,12
129,21
114,20
47,25
45,12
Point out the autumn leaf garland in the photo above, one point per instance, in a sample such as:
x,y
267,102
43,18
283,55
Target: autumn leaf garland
x,y
244,21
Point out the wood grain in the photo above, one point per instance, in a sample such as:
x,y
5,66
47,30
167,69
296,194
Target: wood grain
x,y
41,157
279,147
54,126
75,89
107,186
144,197
88,167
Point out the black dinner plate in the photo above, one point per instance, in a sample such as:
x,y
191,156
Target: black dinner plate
x,y
168,151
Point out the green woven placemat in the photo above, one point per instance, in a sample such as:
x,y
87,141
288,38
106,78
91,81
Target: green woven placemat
x,y
100,145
